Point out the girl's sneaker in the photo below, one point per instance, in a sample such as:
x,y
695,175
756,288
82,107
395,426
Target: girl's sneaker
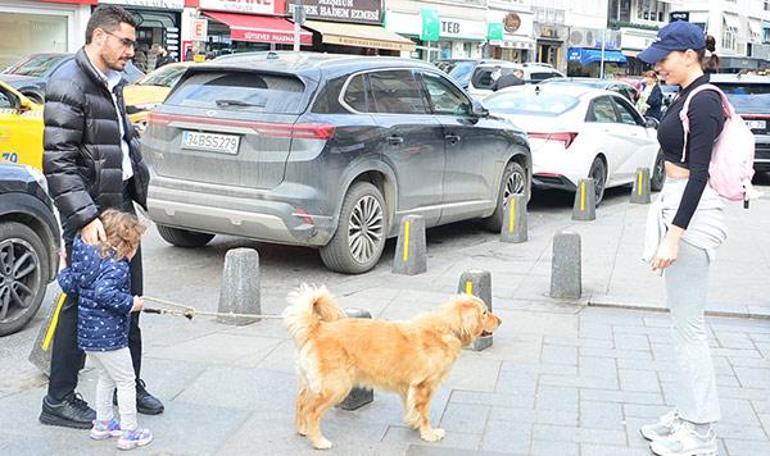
x,y
136,438
105,429
663,428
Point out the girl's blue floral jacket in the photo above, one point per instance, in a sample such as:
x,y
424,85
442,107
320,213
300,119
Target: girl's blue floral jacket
x,y
103,287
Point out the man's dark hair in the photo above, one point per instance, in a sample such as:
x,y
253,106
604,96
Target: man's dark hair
x,y
108,18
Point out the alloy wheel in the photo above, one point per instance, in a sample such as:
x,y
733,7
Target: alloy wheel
x,y
20,276
365,229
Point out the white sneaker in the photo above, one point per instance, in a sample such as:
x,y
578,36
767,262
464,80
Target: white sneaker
x,y
686,441
663,428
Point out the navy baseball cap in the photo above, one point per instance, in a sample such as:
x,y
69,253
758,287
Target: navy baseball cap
x,y
676,36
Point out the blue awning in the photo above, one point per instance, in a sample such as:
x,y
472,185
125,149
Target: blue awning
x,y
587,56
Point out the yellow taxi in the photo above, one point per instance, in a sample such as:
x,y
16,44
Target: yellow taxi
x,y
151,90
21,128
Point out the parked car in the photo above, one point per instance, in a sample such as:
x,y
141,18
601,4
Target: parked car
x,y
613,85
669,92
151,90
577,132
482,82
21,128
29,245
326,151
461,70
30,74
750,96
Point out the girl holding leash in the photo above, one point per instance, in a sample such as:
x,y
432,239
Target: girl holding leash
x,y
99,276
685,226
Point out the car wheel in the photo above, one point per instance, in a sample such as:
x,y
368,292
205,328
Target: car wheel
x,y
23,271
357,244
184,238
514,182
658,177
598,174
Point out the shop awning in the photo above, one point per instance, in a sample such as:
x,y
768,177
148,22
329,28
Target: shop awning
x,y
368,36
587,56
260,29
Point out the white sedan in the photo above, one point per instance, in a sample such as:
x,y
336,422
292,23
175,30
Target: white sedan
x,y
579,132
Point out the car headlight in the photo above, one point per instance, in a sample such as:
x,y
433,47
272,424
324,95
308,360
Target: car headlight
x,y
38,176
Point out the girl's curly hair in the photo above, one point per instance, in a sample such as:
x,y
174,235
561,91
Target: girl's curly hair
x,y
123,230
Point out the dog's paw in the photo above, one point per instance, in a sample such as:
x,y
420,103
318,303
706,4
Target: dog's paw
x,y
322,444
433,435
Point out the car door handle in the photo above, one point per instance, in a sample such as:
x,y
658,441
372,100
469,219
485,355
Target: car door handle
x,y
453,139
395,140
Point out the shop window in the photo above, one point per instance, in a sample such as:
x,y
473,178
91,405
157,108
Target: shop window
x,y
24,34
396,92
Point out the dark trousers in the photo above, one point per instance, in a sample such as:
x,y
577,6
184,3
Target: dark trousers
x,y
66,358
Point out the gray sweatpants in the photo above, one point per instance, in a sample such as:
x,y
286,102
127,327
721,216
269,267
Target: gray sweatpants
x,y
686,287
115,370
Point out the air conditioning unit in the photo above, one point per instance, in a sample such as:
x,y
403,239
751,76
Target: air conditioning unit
x,y
590,38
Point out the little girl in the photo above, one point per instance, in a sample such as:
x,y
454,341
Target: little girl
x,y
99,276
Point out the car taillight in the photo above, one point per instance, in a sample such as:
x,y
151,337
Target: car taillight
x,y
564,137
266,129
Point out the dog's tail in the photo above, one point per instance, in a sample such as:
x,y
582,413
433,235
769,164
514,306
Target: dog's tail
x,y
308,307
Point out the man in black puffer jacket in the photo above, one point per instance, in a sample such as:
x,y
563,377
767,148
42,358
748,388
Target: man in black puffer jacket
x,y
92,163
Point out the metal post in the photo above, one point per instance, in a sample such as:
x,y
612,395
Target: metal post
x,y
601,65
427,53
299,17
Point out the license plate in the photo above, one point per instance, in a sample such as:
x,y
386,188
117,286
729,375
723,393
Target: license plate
x,y
211,142
757,124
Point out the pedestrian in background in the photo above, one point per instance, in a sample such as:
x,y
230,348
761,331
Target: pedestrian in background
x,y
685,226
710,58
650,101
92,163
164,58
99,275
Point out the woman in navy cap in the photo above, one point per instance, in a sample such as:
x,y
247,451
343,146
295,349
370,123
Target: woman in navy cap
x,y
684,227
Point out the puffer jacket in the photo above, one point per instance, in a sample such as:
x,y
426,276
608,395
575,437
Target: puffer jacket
x,y
104,298
83,157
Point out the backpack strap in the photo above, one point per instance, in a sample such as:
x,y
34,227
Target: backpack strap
x,y
727,110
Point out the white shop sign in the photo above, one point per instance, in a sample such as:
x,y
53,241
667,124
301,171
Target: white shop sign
x,y
411,24
240,6
161,4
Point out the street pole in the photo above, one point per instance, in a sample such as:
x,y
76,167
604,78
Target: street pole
x,y
601,65
299,18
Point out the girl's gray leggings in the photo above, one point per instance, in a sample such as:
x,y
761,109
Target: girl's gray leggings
x,y
686,285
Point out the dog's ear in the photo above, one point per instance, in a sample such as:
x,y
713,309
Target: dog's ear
x,y
469,320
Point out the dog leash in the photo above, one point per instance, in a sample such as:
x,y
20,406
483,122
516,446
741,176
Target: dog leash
x,y
191,312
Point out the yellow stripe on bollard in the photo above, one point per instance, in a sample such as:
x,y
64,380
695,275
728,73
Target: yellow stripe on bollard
x,y
54,322
582,196
512,217
469,287
639,183
406,240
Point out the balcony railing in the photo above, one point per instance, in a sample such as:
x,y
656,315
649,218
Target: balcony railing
x,y
614,23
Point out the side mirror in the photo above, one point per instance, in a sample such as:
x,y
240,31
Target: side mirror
x,y
478,110
650,122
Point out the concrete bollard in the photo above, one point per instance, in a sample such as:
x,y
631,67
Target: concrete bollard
x,y
478,283
358,397
641,191
585,201
515,220
411,256
566,277
40,355
239,292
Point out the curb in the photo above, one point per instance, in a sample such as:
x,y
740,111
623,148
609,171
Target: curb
x,y
650,308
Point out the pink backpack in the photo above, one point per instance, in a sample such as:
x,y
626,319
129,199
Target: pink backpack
x,y
732,159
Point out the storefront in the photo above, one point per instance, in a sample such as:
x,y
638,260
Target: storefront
x,y
158,24
350,27
235,26
633,41
586,62
516,44
549,44
462,29
30,27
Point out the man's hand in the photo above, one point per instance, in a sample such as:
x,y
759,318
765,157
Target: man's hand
x,y
138,304
93,233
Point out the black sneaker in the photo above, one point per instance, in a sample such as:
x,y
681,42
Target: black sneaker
x,y
72,412
146,403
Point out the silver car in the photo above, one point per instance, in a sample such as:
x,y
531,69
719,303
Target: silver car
x,y
325,151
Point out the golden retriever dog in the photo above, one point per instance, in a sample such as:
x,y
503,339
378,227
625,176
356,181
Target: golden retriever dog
x,y
411,358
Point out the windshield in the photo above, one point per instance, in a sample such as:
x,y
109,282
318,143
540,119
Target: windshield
x,y
36,65
537,105
747,98
166,76
462,72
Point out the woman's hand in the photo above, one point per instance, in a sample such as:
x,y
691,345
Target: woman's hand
x,y
668,250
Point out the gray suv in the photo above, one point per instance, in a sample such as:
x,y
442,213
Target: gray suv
x,y
326,151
